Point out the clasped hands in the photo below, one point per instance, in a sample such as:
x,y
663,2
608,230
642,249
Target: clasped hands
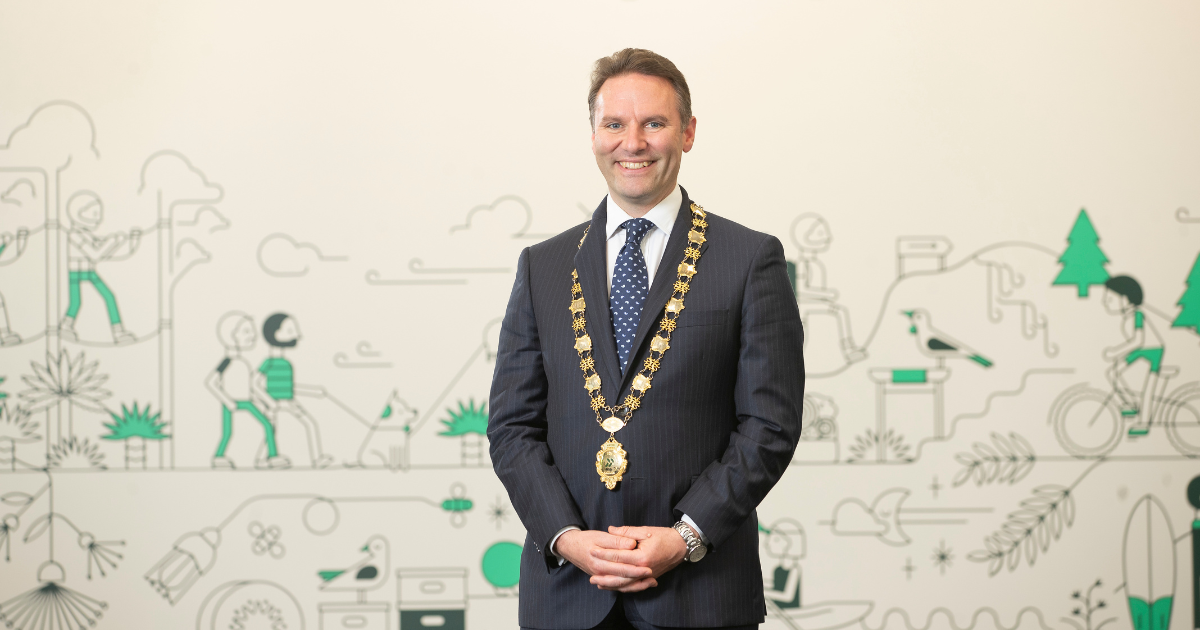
x,y
625,559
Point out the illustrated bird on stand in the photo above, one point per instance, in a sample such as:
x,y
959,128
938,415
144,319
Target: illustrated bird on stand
x,y
366,575
937,344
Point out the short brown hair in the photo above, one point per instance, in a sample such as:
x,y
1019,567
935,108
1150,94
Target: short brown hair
x,y
639,61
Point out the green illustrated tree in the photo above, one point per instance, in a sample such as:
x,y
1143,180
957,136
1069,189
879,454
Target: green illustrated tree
x,y
470,423
134,427
1083,262
1189,302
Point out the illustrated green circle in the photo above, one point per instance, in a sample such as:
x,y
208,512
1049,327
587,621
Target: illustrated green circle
x,y
502,564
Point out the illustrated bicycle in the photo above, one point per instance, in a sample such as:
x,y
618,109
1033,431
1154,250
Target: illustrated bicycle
x,y
1088,422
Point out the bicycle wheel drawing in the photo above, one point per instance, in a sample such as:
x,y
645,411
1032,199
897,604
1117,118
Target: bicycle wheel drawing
x,y
1182,419
1086,421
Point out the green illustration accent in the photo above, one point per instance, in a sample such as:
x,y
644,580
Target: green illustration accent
x,y
467,420
387,412
329,575
227,426
909,376
1156,616
1083,261
502,564
3,395
457,505
280,382
135,423
1153,355
1189,302
110,301
980,360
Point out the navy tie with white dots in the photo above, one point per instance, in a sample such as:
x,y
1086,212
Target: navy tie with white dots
x,y
630,285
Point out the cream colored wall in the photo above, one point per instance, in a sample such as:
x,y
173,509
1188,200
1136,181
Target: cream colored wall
x,y
374,168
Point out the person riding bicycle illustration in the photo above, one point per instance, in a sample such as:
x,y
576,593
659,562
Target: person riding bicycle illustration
x,y
1142,342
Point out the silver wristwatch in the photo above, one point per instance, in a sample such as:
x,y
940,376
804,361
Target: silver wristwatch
x,y
695,548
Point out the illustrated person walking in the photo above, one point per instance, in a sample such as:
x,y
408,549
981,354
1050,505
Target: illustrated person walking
x,y
648,386
85,249
277,385
232,384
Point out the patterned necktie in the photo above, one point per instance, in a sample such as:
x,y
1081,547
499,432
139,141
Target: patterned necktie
x,y
630,285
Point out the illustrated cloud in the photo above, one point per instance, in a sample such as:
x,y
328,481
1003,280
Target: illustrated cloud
x,y
854,518
508,214
282,256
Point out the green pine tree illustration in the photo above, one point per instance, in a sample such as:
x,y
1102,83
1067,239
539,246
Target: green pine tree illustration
x,y
1189,302
1083,262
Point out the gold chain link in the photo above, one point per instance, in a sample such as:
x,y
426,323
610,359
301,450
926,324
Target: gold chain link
x,y
658,345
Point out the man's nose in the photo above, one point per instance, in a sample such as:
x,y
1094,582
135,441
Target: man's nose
x,y
634,140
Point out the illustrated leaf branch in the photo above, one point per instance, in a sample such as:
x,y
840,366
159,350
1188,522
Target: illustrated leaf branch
x,y
1040,520
1006,460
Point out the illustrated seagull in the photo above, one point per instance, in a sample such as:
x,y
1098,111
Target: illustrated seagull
x,y
366,575
937,344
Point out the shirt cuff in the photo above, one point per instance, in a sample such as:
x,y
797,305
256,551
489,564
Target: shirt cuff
x,y
562,560
687,519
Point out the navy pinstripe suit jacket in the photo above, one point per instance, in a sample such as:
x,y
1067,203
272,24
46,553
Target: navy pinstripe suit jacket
x,y
714,433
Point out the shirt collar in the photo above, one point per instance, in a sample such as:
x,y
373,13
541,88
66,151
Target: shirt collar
x,y
662,215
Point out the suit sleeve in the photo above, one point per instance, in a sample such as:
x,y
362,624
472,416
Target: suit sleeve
x,y
517,424
768,395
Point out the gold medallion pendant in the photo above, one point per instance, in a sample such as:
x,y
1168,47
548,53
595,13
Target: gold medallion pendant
x,y
611,462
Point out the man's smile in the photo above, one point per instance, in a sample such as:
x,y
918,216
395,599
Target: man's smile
x,y
633,166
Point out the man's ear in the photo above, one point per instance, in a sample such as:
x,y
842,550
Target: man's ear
x,y
689,135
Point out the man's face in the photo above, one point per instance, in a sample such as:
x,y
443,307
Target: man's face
x,y
639,139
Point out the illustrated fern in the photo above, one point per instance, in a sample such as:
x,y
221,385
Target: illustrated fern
x,y
1040,520
1006,460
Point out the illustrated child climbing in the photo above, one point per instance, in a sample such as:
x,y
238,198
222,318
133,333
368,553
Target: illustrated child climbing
x,y
1124,297
11,248
810,233
84,250
276,384
232,384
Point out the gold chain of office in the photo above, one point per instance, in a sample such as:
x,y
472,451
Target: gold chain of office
x,y
611,461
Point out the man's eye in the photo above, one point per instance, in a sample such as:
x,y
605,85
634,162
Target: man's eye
x,y
613,125
655,125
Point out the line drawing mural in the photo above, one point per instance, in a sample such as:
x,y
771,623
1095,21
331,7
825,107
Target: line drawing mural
x,y
971,360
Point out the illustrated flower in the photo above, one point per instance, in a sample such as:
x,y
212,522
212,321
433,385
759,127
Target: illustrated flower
x,y
100,553
76,452
51,606
189,559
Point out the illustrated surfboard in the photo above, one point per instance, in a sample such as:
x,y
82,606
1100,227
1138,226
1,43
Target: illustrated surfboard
x,y
1149,565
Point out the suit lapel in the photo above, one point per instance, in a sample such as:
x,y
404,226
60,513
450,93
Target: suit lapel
x,y
592,263
663,286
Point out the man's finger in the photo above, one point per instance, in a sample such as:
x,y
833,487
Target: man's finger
x,y
636,533
639,585
611,582
617,569
633,557
615,541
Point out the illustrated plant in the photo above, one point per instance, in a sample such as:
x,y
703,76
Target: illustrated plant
x,y
134,427
470,423
1040,520
869,442
1006,460
16,427
74,381
73,452
1081,615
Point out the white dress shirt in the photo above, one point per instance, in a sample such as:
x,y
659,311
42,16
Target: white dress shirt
x,y
654,243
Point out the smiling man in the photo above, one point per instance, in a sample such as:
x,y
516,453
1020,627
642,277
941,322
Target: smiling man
x,y
648,385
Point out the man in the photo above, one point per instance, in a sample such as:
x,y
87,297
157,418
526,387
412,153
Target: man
x,y
693,369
